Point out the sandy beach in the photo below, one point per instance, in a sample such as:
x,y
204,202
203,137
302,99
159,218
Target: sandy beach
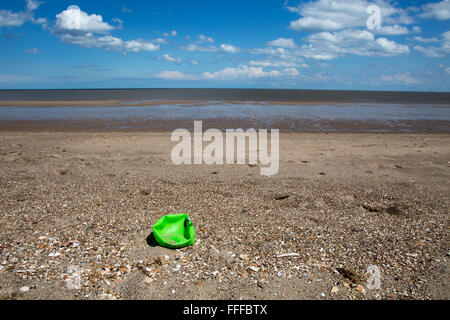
x,y
341,203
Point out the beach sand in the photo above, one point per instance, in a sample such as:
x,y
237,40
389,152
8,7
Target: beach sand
x,y
342,202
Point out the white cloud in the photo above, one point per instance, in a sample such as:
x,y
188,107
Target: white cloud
x,y
316,24
202,39
242,71
175,75
416,29
229,48
193,62
16,19
32,51
436,52
392,30
425,40
172,33
76,22
327,45
278,64
332,15
140,45
436,10
11,19
193,47
282,43
33,5
75,26
169,58
160,40
392,48
400,78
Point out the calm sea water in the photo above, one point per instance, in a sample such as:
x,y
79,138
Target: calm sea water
x,y
394,108
231,94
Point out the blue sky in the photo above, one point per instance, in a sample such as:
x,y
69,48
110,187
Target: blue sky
x,y
319,44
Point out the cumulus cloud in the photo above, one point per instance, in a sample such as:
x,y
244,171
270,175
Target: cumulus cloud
x,y
425,40
282,43
168,57
400,78
243,71
74,21
77,27
394,30
416,29
229,48
203,39
193,47
16,19
175,75
435,52
278,64
193,62
329,45
436,10
331,15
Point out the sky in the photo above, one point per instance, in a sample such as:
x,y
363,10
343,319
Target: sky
x,y
285,44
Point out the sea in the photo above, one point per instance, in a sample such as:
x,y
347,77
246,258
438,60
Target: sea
x,y
288,110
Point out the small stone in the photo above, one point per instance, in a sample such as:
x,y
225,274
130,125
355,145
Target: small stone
x,y
334,289
25,289
346,285
243,256
360,288
148,280
254,269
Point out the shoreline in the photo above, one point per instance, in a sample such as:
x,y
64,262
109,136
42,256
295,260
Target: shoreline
x,y
287,125
143,103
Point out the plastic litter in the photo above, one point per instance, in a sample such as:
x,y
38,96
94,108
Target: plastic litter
x,y
174,231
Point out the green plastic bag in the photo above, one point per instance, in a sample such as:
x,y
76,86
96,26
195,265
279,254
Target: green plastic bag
x,y
174,231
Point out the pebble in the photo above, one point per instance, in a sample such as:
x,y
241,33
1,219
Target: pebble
x,y
254,269
334,289
148,280
360,288
243,256
25,289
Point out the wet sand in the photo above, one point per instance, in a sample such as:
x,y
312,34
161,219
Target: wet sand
x,y
342,202
307,126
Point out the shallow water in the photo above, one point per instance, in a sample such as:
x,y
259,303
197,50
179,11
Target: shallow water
x,y
264,114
